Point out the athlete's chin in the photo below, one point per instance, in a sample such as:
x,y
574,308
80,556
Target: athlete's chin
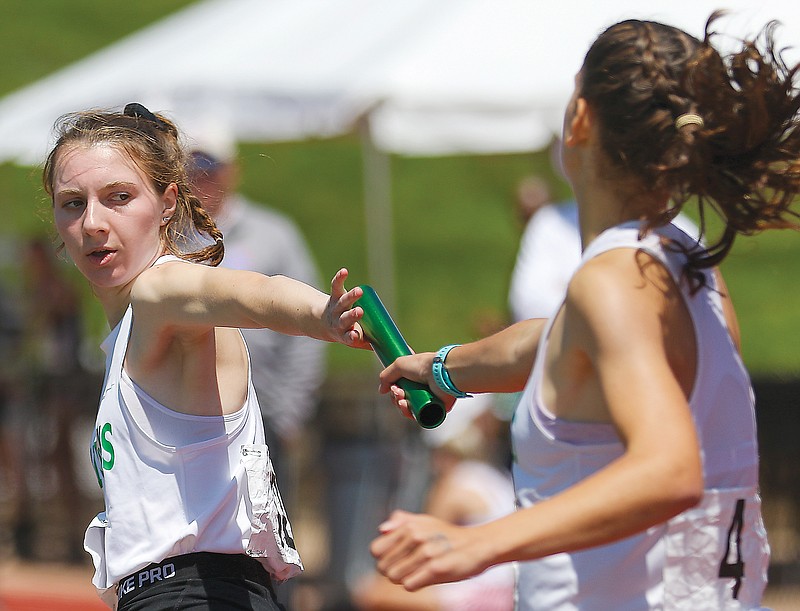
x,y
106,279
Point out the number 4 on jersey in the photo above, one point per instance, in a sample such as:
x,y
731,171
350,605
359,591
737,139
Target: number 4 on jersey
x,y
732,565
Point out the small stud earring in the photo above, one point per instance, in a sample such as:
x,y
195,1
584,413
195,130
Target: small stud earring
x,y
165,219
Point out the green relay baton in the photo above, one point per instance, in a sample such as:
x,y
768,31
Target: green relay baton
x,y
388,344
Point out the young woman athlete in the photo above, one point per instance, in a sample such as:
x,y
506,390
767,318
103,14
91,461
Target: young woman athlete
x,y
635,450
193,518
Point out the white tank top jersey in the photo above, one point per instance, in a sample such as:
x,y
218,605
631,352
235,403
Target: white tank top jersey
x,y
713,556
175,483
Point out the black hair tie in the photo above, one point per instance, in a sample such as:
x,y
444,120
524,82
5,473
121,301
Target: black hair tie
x,y
134,109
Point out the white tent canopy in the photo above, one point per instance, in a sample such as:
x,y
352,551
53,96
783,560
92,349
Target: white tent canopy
x,y
496,76
425,77
268,69
433,76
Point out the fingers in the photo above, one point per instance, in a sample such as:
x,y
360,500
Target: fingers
x,y
348,323
398,396
411,367
341,314
355,337
416,367
428,564
395,552
411,549
397,519
343,299
389,376
388,379
337,283
352,332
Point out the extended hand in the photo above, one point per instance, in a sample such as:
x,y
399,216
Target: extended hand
x,y
415,367
340,315
419,550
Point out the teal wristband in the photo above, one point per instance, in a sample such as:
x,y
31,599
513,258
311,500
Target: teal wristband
x,y
442,377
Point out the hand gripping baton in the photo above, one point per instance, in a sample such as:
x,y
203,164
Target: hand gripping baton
x,y
388,344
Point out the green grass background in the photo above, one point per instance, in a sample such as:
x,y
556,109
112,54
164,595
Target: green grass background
x,y
455,231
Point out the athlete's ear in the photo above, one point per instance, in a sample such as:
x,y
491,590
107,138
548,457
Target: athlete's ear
x,y
170,201
579,125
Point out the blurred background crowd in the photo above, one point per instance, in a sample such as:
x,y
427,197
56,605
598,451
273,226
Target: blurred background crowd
x,y
345,457
344,461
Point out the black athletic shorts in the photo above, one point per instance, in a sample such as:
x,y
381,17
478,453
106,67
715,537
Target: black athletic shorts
x,y
199,581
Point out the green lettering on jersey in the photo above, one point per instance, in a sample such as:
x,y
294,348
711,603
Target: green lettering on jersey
x,y
108,447
102,451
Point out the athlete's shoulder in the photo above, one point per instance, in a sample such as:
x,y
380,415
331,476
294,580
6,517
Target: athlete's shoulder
x,y
169,279
619,288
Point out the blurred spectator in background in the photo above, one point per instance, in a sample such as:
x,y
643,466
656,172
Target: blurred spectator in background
x,y
57,396
287,370
549,251
532,194
12,481
471,485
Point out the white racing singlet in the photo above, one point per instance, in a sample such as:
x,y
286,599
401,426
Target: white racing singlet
x,y
215,493
712,556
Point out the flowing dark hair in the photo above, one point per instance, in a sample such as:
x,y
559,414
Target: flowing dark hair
x,y
739,155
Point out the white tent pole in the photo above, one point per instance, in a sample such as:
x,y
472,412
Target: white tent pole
x,y
378,216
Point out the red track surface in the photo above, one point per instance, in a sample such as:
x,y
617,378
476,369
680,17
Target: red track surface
x,y
56,587
47,587
32,602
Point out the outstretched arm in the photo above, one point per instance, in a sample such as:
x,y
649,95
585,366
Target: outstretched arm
x,y
179,294
499,363
620,330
